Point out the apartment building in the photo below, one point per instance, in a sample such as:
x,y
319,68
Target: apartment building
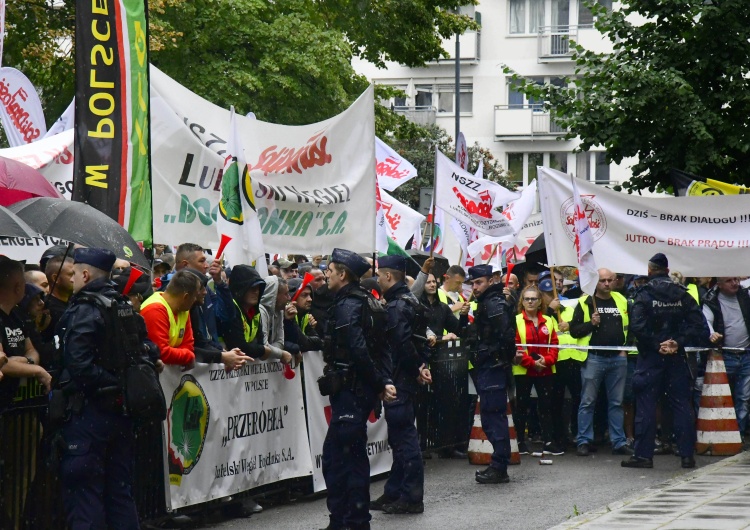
x,y
533,38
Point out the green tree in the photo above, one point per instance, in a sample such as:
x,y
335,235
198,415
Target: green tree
x,y
675,91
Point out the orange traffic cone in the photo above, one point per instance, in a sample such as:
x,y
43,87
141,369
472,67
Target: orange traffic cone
x,y
515,456
718,432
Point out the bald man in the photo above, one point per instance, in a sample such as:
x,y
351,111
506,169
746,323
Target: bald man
x,y
602,321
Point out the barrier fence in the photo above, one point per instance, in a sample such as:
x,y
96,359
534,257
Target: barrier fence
x,y
30,492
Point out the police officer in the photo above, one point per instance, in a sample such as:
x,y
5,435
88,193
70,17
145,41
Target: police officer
x,y
355,377
96,468
404,490
665,319
492,349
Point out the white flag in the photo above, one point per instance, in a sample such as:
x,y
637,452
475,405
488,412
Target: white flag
x,y
393,170
381,230
401,222
237,217
473,201
20,108
588,275
65,122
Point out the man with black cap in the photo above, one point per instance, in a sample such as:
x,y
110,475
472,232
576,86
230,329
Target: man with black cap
x,y
404,490
357,374
59,271
299,325
96,468
492,348
664,319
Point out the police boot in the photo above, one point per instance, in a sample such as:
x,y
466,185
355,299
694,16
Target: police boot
x,y
638,462
381,502
493,476
400,507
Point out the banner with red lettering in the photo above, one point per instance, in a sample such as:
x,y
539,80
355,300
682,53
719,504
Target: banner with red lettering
x,y
20,109
475,202
314,185
701,236
112,129
402,223
393,170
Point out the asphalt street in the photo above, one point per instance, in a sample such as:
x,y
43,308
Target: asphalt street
x,y
538,497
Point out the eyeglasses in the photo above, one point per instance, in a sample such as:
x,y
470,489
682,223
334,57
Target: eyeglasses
x,y
531,299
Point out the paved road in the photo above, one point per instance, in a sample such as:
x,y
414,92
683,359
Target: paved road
x,y
538,496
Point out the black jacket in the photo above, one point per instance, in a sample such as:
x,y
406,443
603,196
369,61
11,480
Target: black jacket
x,y
401,321
440,317
495,328
297,341
229,315
664,310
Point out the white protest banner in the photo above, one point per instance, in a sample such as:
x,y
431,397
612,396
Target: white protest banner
x,y
318,416
20,109
313,184
228,432
701,236
473,201
393,169
402,223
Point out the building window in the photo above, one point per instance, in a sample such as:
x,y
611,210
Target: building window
x,y
518,100
585,16
559,161
526,16
443,97
522,166
602,167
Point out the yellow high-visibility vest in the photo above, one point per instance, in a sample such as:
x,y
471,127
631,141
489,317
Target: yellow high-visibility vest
x,y
176,325
564,337
521,327
249,329
622,306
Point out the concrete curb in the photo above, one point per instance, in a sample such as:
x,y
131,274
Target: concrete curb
x,y
593,515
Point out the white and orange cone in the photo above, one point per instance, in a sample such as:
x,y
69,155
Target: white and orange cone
x,y
480,448
515,456
718,432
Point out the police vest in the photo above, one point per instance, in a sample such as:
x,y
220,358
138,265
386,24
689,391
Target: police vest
x,y
521,327
622,306
249,329
564,337
176,326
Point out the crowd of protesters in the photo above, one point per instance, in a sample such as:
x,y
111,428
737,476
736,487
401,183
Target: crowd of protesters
x,y
572,382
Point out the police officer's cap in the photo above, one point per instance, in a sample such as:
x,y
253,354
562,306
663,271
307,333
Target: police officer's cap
x,y
543,275
479,271
356,263
397,263
101,258
545,285
660,260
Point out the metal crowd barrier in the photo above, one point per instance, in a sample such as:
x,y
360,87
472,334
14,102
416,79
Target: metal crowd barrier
x,y
30,492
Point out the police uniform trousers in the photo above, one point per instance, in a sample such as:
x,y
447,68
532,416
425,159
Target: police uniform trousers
x,y
407,472
96,471
493,401
655,375
346,467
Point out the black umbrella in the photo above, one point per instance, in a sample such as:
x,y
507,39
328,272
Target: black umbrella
x,y
412,268
80,223
13,226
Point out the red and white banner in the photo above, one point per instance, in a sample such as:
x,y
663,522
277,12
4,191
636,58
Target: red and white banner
x,y
701,236
473,201
20,109
319,417
401,222
393,169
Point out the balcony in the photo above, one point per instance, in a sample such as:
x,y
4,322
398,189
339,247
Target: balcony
x,y
553,43
525,122
470,49
419,115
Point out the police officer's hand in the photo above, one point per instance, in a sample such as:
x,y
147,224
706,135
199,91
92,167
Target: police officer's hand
x,y
563,326
715,337
427,265
465,308
44,378
596,319
554,304
215,272
668,347
234,359
286,357
425,377
389,394
290,311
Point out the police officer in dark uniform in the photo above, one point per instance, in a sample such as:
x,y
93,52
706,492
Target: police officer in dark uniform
x,y
492,348
664,319
404,490
355,377
96,469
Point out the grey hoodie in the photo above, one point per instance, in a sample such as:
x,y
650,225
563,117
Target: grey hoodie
x,y
273,321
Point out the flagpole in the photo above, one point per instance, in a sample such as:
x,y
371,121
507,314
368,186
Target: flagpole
x,y
554,288
434,205
492,254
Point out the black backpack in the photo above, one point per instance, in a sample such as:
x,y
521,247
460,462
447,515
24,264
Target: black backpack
x,y
143,395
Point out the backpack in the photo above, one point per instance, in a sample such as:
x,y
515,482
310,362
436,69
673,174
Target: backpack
x,y
143,396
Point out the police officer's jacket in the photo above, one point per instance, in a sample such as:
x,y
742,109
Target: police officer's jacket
x,y
495,328
84,340
401,320
372,369
664,310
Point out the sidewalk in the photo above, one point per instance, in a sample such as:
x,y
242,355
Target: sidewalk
x,y
715,497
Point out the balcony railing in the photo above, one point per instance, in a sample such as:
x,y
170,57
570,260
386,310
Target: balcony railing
x,y
554,43
522,122
419,115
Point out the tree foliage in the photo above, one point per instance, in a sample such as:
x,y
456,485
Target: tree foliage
x,y
675,91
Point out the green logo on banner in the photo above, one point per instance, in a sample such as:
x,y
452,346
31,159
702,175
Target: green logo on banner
x,y
187,423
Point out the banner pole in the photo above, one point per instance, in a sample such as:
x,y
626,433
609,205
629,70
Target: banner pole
x,y
492,254
434,205
554,289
